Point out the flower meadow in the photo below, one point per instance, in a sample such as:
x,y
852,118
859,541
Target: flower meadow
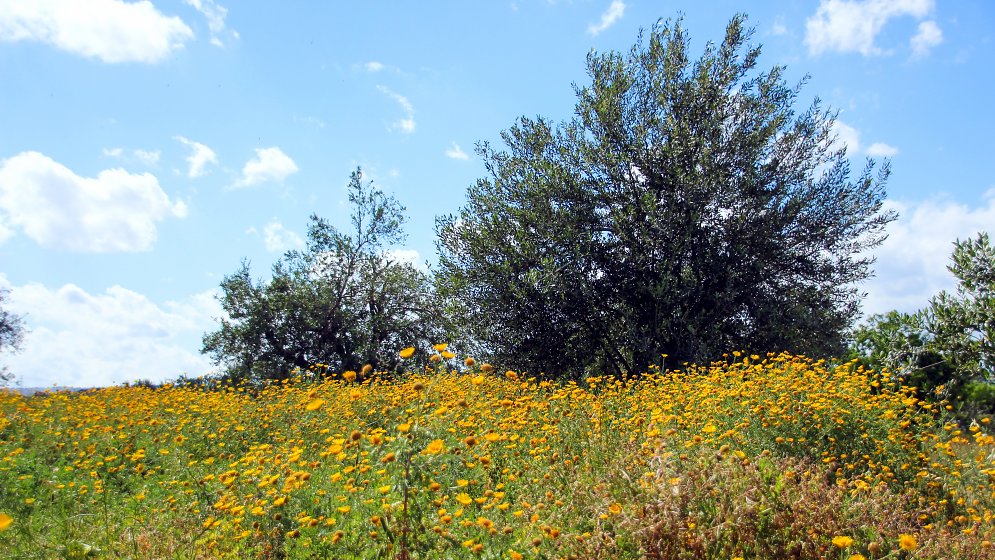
x,y
775,456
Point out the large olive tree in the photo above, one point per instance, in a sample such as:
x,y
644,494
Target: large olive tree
x,y
688,208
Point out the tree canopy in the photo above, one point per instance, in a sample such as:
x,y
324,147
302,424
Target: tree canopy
x,y
688,208
948,347
343,302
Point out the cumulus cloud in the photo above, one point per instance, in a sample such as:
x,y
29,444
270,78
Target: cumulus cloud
x,y
846,136
200,156
215,16
929,36
114,211
111,31
455,152
106,338
852,26
113,152
6,231
880,149
373,66
912,262
614,13
270,164
407,124
407,256
277,238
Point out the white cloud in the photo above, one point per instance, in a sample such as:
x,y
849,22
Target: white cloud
x,y
778,28
373,66
106,338
929,36
407,256
846,136
270,164
852,25
912,263
614,13
880,149
145,157
111,31
407,124
279,239
198,159
455,152
115,211
215,16
6,231
148,157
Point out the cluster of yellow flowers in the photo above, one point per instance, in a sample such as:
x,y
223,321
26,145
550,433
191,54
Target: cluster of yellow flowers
x,y
446,462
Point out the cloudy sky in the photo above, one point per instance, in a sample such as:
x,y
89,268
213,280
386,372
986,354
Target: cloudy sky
x,y
147,147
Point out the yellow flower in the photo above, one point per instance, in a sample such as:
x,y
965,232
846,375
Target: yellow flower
x,y
464,498
447,355
404,428
856,557
842,541
407,352
5,521
615,509
349,376
344,509
709,429
315,404
477,380
469,362
280,501
907,542
434,448
440,347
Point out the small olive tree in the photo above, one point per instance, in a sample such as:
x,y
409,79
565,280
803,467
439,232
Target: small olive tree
x,y
342,302
946,347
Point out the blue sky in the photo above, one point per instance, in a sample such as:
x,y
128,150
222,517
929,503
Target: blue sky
x,y
146,148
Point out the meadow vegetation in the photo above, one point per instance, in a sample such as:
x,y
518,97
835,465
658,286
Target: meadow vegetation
x,y
774,456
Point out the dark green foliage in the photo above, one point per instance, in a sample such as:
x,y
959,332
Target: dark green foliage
x,y
342,302
686,209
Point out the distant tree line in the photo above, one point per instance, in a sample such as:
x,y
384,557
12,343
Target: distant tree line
x,y
690,207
